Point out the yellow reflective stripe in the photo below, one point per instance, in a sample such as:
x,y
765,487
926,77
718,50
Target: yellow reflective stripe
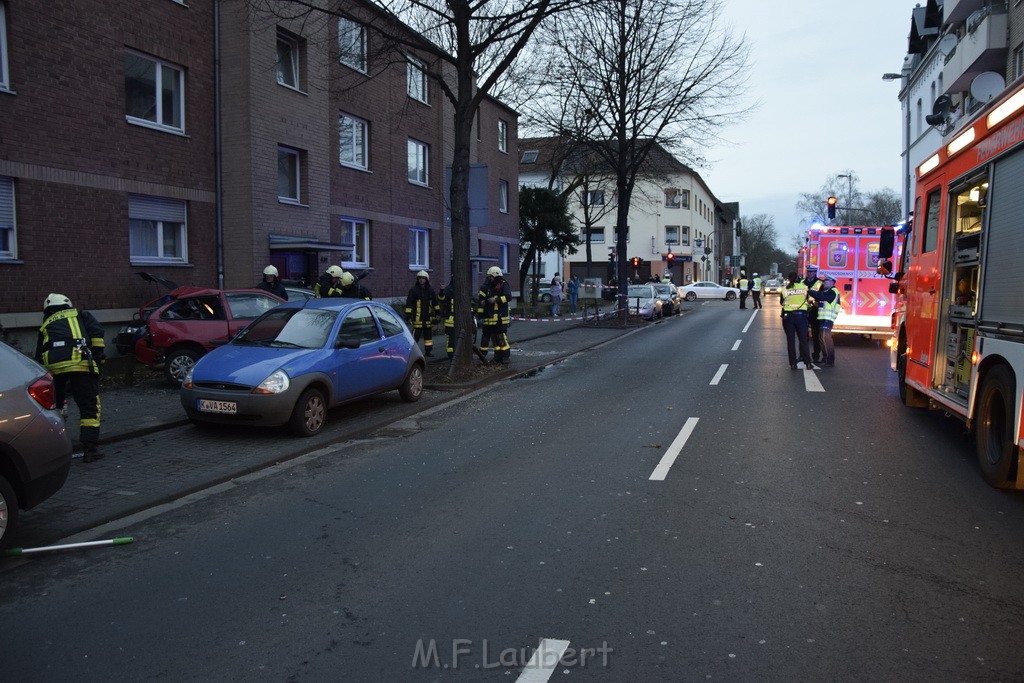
x,y
90,423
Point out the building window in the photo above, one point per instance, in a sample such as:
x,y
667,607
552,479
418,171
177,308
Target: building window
x,y
502,136
157,230
596,234
684,235
5,76
355,238
503,256
418,160
1018,54
594,198
289,175
289,59
617,234
419,248
154,92
920,119
671,234
353,142
673,199
529,157
8,234
416,75
503,196
352,44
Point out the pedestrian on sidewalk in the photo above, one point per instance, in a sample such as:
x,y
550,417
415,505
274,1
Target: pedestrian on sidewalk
x,y
492,310
71,346
573,287
422,311
556,295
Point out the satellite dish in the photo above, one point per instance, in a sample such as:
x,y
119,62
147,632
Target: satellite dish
x,y
940,110
947,44
987,85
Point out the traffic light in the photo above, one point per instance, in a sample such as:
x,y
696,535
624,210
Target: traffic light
x,y
670,258
831,207
635,261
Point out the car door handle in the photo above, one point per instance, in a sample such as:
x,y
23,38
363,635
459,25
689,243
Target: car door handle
x,y
381,349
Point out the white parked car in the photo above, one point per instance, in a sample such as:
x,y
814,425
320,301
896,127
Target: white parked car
x,y
708,290
643,301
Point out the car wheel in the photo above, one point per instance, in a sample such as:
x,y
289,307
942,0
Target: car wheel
x,y
546,298
8,512
691,296
997,449
178,363
412,387
730,296
310,413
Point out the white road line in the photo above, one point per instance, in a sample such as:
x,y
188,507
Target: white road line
x,y
718,375
752,316
667,460
736,345
811,382
543,662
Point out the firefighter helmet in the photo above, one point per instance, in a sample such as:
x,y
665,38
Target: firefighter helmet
x,y
56,300
423,273
335,271
347,279
270,270
495,271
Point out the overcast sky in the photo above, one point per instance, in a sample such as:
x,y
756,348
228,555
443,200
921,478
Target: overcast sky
x,y
817,70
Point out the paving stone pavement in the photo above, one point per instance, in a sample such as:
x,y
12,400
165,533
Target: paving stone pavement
x,y
153,455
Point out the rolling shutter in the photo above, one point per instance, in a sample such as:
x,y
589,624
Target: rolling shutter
x,y
1002,303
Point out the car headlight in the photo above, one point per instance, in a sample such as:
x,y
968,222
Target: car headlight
x,y
274,384
187,382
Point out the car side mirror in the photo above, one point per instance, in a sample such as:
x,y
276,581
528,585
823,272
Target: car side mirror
x,y
886,243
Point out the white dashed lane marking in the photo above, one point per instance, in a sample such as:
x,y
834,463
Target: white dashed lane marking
x,y
661,471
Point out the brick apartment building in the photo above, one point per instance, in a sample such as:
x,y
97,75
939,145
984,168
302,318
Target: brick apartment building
x,y
327,152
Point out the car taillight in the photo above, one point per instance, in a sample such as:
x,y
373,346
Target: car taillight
x,y
43,392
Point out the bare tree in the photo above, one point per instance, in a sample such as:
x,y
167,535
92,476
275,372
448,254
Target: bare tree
x,y
628,75
474,45
881,207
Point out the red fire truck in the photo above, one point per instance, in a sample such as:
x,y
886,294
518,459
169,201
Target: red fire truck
x,y
958,332
850,255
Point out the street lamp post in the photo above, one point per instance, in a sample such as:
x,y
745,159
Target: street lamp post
x,y
849,196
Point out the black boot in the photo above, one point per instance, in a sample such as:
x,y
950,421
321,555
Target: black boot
x,y
92,454
429,351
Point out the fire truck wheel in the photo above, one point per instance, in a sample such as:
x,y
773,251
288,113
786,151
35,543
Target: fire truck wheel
x,y
997,449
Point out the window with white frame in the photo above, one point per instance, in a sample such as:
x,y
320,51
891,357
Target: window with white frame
x,y
503,196
672,200
352,44
418,162
353,142
503,256
154,92
355,238
684,199
684,235
289,59
289,175
416,76
594,198
671,234
157,229
8,233
502,136
5,76
529,156
419,248
596,234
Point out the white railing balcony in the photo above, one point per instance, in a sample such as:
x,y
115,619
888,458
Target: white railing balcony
x,y
983,48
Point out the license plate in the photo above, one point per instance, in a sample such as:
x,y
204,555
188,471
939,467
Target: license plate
x,y
207,406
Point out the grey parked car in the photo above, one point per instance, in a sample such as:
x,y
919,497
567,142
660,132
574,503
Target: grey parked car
x,y
35,449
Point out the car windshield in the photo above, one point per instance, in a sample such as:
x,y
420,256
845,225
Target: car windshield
x,y
303,328
639,291
665,289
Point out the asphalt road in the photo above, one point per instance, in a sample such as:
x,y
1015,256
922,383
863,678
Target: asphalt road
x,y
677,505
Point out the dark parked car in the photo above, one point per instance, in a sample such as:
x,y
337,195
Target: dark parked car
x,y
178,328
35,449
302,358
671,302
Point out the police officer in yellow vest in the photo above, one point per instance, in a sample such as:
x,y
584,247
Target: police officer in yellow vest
x,y
71,346
744,286
756,285
827,299
795,302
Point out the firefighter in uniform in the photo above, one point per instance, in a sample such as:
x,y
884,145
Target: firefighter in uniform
x,y
827,299
422,311
71,347
272,283
329,284
744,287
794,322
446,300
756,285
492,309
351,289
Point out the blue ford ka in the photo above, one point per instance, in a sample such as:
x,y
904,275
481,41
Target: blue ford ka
x,y
293,363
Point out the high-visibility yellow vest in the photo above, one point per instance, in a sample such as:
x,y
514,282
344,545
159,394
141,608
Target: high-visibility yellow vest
x,y
757,284
794,297
829,310
743,284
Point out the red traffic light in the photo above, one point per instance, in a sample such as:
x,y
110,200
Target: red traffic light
x,y
831,207
670,257
635,261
